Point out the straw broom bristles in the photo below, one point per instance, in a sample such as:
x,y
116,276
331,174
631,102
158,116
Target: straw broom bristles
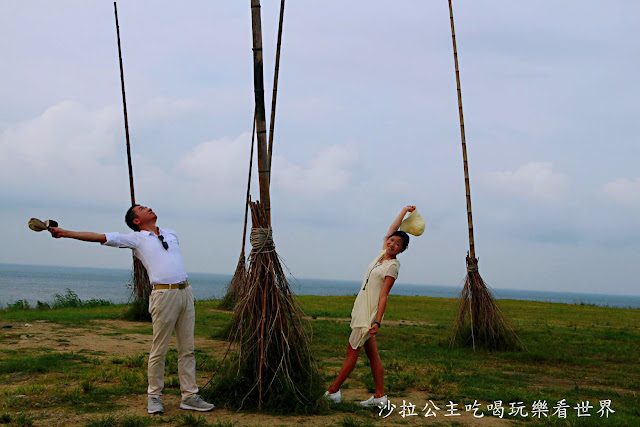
x,y
487,325
268,320
138,309
274,368
234,288
141,285
228,302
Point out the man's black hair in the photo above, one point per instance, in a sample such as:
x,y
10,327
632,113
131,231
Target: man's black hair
x,y
129,217
405,238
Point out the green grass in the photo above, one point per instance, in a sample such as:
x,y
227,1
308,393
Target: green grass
x,y
103,421
121,421
39,364
351,421
20,419
190,420
575,352
65,316
137,361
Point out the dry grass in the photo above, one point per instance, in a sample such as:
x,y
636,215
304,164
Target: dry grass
x,y
237,283
139,307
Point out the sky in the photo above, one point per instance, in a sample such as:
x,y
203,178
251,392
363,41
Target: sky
x,y
367,122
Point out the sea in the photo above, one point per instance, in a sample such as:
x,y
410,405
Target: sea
x,y
35,283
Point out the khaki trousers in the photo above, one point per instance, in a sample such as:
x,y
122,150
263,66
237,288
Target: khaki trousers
x,y
172,309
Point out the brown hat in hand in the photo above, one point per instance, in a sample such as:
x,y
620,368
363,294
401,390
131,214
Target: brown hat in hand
x,y
37,225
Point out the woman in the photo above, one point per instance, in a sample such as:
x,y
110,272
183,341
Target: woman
x,y
368,312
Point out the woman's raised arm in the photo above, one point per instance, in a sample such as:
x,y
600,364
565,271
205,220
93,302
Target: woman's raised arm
x,y
396,222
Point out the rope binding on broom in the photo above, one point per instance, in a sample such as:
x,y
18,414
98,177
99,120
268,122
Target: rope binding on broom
x,y
472,264
262,240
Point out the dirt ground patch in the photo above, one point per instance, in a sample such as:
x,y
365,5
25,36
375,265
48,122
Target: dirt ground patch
x,y
136,405
101,338
569,383
387,322
117,338
171,406
348,319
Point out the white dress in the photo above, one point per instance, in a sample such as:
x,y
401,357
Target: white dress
x,y
365,308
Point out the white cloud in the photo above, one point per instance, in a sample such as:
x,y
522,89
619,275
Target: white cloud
x,y
68,149
74,153
326,172
67,132
221,166
534,180
623,191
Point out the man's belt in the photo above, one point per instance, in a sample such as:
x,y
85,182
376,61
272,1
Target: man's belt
x,y
180,285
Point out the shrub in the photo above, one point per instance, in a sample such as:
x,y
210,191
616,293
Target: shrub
x,y
138,310
43,305
70,299
21,304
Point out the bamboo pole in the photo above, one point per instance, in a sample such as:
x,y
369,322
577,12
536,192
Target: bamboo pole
x,y
124,107
472,250
275,83
264,171
258,84
246,200
229,299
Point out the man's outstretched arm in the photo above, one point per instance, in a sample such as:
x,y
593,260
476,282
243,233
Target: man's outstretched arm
x,y
86,236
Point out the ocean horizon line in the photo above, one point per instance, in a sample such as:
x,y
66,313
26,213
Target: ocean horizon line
x,y
347,281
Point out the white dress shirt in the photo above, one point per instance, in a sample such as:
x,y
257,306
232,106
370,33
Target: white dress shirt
x,y
164,266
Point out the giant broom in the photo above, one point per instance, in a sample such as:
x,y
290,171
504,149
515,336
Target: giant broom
x,y
273,369
487,327
139,308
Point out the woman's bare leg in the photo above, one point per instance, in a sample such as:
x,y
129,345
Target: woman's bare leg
x,y
371,349
347,367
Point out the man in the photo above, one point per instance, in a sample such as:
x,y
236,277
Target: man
x,y
170,302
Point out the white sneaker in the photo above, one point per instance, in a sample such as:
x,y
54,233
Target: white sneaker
x,y
375,402
154,404
195,403
333,397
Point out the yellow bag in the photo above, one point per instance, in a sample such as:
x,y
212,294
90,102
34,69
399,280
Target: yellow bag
x,y
413,224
